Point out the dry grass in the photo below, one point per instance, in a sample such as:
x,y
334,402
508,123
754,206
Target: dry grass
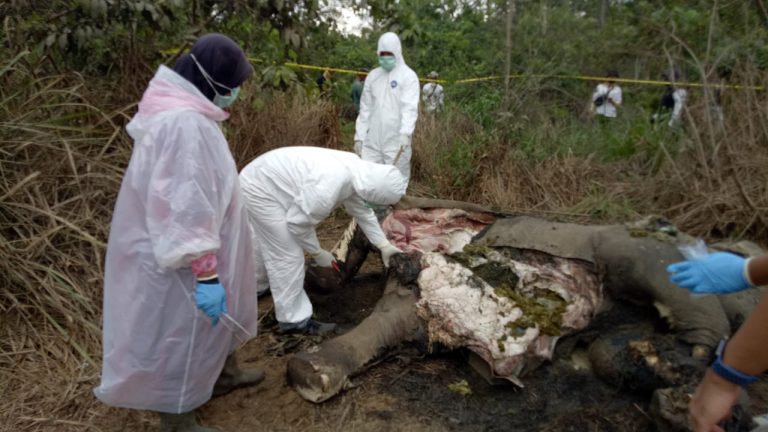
x,y
285,119
712,184
60,167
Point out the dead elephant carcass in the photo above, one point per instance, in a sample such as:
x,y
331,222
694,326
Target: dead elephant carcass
x,y
505,287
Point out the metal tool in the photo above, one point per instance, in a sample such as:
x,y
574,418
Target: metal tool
x,y
238,329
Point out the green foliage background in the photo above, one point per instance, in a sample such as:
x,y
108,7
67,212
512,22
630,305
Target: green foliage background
x,y
123,41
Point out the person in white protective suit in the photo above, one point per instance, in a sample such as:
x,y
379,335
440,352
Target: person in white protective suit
x,y
290,190
179,256
432,94
388,109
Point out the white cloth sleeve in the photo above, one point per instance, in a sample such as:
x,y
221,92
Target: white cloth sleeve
x,y
302,230
425,93
679,96
598,92
409,106
363,117
185,198
313,203
616,95
365,217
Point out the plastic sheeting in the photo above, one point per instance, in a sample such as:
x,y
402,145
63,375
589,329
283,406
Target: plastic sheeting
x,y
180,199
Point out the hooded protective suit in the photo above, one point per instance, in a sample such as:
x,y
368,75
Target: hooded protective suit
x,y
180,199
290,190
388,110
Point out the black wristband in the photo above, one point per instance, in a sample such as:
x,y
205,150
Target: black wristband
x,y
212,281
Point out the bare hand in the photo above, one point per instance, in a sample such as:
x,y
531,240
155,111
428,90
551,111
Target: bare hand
x,y
712,403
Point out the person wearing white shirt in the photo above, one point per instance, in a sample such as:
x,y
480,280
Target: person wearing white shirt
x,y
680,95
432,94
607,97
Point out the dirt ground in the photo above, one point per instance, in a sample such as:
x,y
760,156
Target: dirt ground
x,y
409,390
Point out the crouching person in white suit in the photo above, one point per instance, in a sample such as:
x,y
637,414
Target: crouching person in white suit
x,y
290,190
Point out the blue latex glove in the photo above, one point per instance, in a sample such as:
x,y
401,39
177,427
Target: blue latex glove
x,y
211,298
716,273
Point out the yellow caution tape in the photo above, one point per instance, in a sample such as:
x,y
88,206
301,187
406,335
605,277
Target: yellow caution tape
x,y
518,76
618,80
344,71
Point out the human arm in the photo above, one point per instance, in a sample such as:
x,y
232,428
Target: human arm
x,y
724,272
600,91
302,227
614,95
190,188
357,92
367,221
747,353
409,105
313,202
366,105
679,96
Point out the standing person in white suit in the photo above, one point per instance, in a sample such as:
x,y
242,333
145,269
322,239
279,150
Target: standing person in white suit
x,y
290,190
432,94
179,258
388,109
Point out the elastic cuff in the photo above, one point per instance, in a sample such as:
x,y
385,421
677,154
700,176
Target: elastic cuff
x,y
209,280
745,272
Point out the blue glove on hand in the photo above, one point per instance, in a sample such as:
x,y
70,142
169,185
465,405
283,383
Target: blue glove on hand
x,y
211,298
716,273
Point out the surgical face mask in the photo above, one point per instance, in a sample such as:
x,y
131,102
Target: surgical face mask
x,y
220,100
387,62
225,101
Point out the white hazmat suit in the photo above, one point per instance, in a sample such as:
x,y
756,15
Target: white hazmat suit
x,y
290,190
180,199
389,108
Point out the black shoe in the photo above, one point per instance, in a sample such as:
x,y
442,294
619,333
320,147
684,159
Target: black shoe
x,y
312,328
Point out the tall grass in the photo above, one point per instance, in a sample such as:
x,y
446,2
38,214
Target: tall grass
x,y
261,123
61,161
708,178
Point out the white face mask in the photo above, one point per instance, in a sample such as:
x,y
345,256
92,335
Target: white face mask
x,y
220,100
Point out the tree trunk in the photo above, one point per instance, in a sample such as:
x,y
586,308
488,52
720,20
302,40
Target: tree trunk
x,y
603,12
761,7
508,58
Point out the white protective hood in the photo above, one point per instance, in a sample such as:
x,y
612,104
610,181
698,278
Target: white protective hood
x,y
378,183
391,43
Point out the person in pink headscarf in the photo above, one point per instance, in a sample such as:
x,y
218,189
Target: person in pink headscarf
x,y
179,285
